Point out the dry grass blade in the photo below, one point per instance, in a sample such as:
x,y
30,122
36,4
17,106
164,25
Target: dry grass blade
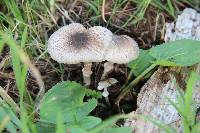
x,y
103,11
4,61
9,100
64,12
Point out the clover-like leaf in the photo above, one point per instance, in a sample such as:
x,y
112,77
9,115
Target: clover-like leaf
x,y
66,98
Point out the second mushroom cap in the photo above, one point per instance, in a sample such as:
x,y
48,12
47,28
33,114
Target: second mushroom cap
x,y
122,50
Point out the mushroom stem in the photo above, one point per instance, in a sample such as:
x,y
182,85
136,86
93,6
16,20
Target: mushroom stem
x,y
87,73
105,83
108,66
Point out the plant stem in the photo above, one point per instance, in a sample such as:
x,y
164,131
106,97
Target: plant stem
x,y
133,83
87,72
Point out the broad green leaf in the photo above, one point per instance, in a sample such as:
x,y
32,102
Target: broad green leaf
x,y
84,110
181,52
119,130
66,98
141,63
89,122
76,130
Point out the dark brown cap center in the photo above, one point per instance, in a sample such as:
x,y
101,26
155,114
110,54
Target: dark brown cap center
x,y
80,40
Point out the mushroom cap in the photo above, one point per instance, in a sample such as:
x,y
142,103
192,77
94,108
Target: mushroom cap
x,y
73,44
105,34
123,49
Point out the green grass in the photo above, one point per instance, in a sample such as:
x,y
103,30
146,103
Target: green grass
x,y
25,28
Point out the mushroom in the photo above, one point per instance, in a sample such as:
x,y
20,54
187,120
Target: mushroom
x,y
73,44
103,85
122,50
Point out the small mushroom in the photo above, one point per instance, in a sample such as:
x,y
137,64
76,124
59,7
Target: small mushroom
x,y
122,50
73,44
103,85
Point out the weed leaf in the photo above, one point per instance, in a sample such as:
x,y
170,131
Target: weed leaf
x,y
141,63
177,53
66,98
